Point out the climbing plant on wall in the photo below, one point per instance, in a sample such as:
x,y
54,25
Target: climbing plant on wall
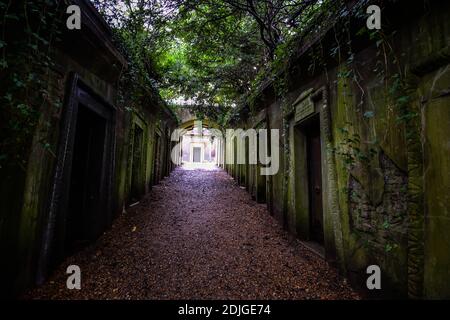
x,y
207,54
28,31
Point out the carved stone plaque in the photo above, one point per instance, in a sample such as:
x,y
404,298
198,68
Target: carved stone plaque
x,y
303,109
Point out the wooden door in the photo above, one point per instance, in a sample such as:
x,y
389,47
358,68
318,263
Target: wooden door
x,y
315,183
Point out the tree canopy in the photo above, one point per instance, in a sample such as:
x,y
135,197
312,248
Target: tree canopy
x,y
205,54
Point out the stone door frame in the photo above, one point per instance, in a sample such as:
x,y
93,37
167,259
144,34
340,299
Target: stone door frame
x,y
78,91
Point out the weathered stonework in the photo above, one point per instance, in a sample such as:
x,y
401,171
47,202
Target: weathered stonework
x,y
380,226
87,87
384,148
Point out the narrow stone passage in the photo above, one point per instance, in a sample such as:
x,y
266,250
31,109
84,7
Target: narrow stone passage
x,y
197,235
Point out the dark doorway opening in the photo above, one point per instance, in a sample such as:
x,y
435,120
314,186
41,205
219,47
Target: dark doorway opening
x,y
80,203
314,164
197,154
166,158
85,204
308,181
156,155
260,179
137,174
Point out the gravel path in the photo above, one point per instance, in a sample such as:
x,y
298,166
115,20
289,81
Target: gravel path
x,y
197,235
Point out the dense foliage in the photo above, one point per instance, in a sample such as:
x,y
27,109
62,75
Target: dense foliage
x,y
28,32
206,54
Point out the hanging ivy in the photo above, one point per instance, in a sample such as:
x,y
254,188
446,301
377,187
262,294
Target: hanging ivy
x,y
29,31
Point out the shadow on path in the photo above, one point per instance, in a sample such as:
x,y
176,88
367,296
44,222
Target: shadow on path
x,y
197,235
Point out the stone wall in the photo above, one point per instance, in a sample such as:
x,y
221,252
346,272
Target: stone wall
x,y
32,235
384,149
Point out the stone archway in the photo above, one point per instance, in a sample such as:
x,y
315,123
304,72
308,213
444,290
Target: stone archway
x,y
205,135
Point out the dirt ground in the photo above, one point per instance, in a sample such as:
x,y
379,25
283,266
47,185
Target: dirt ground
x,y
197,235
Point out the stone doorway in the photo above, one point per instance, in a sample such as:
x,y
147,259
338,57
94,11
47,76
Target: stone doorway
x,y
138,164
156,157
314,163
81,203
308,180
85,179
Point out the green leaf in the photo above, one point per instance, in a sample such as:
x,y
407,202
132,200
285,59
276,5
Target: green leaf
x,y
3,64
388,247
